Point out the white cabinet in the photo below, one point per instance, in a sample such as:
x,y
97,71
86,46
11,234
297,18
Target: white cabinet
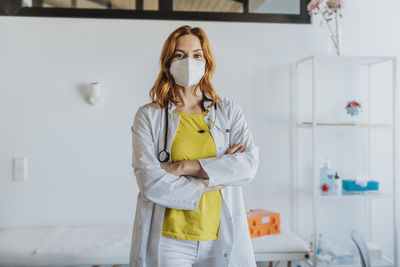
x,y
362,145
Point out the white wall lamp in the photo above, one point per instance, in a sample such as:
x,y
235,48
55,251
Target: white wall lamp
x,y
95,96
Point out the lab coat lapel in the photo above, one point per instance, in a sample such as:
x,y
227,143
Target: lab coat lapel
x,y
225,236
173,123
217,135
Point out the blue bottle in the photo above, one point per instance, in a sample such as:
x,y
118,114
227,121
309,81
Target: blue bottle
x,y
326,177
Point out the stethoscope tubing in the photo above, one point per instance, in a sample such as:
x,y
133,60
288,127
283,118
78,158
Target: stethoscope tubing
x,y
165,152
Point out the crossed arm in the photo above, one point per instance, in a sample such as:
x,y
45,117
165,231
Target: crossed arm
x,y
193,167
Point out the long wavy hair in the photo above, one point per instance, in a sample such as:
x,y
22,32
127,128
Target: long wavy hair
x,y
163,89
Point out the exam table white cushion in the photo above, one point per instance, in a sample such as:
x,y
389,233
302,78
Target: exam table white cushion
x,y
285,246
284,242
66,245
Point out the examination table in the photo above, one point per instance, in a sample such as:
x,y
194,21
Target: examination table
x,y
94,245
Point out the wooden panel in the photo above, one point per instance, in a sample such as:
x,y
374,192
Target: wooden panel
x,y
57,3
123,4
88,4
102,4
255,4
150,4
207,5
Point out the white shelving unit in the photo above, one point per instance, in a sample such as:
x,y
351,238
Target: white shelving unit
x,y
359,145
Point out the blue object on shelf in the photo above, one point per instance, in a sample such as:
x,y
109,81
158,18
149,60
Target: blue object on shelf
x,y
350,185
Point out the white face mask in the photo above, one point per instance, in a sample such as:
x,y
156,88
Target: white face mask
x,y
187,71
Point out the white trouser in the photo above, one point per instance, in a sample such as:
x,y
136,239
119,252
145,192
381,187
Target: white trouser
x,y
186,253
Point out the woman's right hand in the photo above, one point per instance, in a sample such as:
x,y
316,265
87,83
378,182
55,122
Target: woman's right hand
x,y
235,148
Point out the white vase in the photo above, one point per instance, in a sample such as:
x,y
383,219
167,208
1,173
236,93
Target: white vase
x,y
332,50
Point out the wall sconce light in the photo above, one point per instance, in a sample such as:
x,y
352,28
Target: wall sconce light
x,y
95,97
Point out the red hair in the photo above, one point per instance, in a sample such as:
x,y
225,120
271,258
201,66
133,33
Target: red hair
x,y
162,90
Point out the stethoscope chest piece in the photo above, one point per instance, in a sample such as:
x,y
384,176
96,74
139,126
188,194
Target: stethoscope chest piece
x,y
163,156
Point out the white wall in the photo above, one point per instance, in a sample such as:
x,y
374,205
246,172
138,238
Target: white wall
x,y
79,156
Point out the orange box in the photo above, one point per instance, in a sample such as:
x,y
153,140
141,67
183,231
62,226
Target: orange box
x,y
263,222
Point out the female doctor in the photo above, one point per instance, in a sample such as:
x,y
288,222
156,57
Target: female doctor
x,y
192,153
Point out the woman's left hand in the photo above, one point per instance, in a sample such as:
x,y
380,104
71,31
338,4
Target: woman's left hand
x,y
172,167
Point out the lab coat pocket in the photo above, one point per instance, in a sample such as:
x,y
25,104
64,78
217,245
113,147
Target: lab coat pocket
x,y
240,224
242,240
141,229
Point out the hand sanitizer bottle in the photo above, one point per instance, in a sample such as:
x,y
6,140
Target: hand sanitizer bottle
x,y
337,186
325,178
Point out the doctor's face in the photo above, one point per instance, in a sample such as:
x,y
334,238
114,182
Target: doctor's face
x,y
188,46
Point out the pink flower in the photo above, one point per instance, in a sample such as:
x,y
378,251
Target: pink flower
x,y
313,4
334,5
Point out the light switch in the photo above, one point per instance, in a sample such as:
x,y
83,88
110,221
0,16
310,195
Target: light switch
x,y
20,168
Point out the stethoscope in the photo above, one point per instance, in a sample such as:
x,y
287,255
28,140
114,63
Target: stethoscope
x,y
163,156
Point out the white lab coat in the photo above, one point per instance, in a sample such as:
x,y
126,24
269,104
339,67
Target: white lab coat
x,y
160,189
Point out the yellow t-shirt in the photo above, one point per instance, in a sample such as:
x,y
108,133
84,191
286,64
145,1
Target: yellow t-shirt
x,y
201,224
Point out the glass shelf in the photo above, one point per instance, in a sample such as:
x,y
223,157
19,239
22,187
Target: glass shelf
x,y
366,195
353,60
345,124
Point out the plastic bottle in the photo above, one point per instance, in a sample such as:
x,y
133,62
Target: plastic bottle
x,y
326,178
320,244
337,186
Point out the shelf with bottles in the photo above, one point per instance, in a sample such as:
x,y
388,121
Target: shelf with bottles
x,y
364,195
324,189
362,157
335,223
332,186
344,252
